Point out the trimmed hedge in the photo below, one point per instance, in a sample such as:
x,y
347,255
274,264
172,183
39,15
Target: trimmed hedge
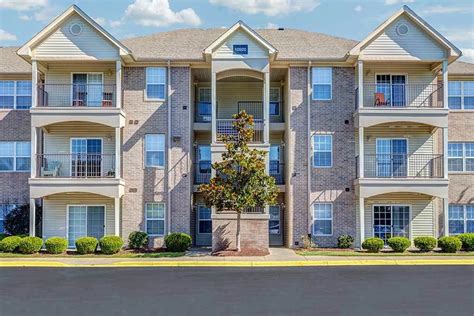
x,y
138,240
467,241
399,244
86,245
345,241
30,245
425,243
373,244
110,244
178,242
449,244
3,236
56,245
10,243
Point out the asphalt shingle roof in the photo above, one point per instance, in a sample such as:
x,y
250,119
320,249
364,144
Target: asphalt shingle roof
x,y
10,62
461,68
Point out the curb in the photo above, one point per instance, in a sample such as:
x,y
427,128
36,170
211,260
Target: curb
x,y
262,264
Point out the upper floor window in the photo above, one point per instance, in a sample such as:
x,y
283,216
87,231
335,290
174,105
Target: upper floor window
x,y
322,83
155,83
322,219
322,151
461,95
204,106
15,156
15,94
275,101
155,219
461,219
461,157
155,150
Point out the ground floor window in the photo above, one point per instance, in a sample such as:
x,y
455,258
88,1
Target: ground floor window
x,y
155,219
204,220
322,219
4,210
461,218
85,220
391,221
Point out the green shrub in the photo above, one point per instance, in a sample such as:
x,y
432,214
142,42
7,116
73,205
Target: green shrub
x,y
178,242
449,244
56,245
467,241
138,240
30,245
399,244
86,245
10,243
425,243
345,241
373,244
110,244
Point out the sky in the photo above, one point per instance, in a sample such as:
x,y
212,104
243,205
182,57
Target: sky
x,y
354,19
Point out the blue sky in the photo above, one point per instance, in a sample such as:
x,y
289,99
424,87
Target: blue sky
x,y
354,19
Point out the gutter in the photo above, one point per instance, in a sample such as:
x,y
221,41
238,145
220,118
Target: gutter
x,y
168,152
308,133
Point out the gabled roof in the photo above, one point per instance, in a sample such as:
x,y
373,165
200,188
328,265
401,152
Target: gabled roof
x,y
240,25
406,11
25,50
11,63
461,68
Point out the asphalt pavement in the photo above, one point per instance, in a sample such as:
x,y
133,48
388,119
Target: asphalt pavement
x,y
348,290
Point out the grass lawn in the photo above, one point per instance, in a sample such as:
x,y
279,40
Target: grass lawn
x,y
384,253
122,254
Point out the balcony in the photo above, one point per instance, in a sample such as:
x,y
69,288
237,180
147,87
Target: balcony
x,y
202,172
225,128
385,103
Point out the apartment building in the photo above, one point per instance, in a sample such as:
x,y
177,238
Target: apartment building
x,y
370,138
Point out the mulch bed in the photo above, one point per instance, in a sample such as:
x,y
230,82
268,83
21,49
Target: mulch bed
x,y
241,253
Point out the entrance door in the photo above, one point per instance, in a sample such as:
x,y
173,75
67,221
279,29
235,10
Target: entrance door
x,y
275,166
275,227
393,89
392,158
87,89
203,226
85,221
391,221
86,157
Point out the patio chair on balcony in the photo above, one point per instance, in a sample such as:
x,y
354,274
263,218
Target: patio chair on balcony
x,y
51,169
79,99
379,99
107,99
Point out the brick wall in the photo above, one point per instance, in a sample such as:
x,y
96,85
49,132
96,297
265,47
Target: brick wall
x,y
253,234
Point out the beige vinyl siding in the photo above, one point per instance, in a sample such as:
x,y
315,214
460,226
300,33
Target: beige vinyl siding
x,y
58,141
88,45
255,50
416,45
55,212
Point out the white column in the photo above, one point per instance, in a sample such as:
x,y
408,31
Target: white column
x,y
446,217
32,217
118,84
445,152
266,108
117,216
361,152
361,219
34,144
360,73
34,83
118,153
445,83
214,107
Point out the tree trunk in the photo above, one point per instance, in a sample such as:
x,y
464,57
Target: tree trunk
x,y
237,237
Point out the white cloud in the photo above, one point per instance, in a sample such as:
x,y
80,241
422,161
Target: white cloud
x,y
439,9
268,7
23,5
46,14
25,17
358,8
459,35
467,54
158,13
391,2
100,20
5,36
271,25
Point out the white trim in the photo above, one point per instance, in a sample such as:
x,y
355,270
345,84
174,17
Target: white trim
x,y
313,98
86,139
156,219
86,205
145,151
145,96
463,157
87,84
393,74
391,218
464,219
462,95
313,150
406,154
15,157
314,218
15,94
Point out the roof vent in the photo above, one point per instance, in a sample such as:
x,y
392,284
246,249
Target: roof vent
x,y
281,29
76,29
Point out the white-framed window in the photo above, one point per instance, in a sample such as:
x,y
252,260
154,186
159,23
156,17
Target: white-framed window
x,y
204,220
85,220
4,210
15,94
15,156
322,151
322,219
461,157
461,95
322,83
275,101
155,219
154,150
461,218
204,94
204,105
155,83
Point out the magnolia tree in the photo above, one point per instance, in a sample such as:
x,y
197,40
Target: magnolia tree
x,y
240,180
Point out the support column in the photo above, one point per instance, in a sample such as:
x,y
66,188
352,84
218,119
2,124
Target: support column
x,y
32,229
446,217
118,152
117,216
34,83
445,83
34,144
118,84
214,107
361,152
266,107
361,220
445,152
360,73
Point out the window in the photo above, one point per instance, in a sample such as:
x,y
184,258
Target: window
x,y
461,95
461,219
322,151
275,101
85,220
15,156
461,157
155,83
274,222
155,150
322,83
4,210
204,105
155,219
204,219
15,94
322,219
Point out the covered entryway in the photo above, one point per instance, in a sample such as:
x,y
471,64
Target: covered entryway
x,y
203,226
391,221
275,227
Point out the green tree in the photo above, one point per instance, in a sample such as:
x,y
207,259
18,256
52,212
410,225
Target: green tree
x,y
240,180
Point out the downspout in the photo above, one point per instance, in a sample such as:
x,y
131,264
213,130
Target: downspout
x,y
308,133
168,164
